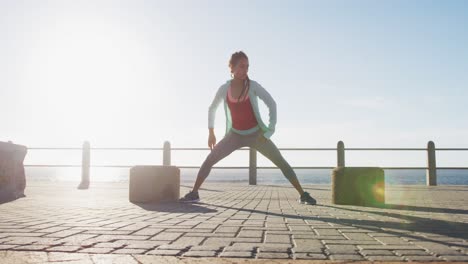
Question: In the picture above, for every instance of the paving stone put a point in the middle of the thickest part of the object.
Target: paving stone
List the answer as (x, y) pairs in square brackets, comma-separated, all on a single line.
[(315, 250), (166, 236), (275, 248), (346, 257), (228, 241), (194, 253), (422, 258), (193, 231), (277, 238), (189, 241), (31, 247), (351, 242), (65, 233), (109, 245), (172, 247), (455, 258), (20, 235), (206, 248), (236, 254), (106, 232), (87, 243), (409, 252), (207, 226), (53, 229), (97, 250), (250, 233), (22, 240), (342, 249), (64, 248), (360, 237), (164, 252), (311, 256), (5, 247), (377, 253), (300, 228), (327, 232), (270, 255), (440, 249), (387, 247), (243, 248), (129, 251), (310, 236), (76, 238), (307, 242), (392, 240), (384, 258), (222, 235), (48, 241)]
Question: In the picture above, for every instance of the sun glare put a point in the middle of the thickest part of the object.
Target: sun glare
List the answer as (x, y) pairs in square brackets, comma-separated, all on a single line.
[(86, 72)]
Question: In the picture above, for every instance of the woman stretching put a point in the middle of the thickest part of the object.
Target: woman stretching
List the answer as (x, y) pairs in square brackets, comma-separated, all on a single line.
[(244, 126)]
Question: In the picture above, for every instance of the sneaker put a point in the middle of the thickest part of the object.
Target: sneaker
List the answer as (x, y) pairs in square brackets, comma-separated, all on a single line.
[(191, 197), (307, 199)]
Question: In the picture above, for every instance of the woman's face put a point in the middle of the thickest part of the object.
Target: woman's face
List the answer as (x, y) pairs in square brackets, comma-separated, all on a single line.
[(240, 69)]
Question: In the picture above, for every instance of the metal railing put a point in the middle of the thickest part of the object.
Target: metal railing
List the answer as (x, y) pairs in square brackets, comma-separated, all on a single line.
[(431, 168)]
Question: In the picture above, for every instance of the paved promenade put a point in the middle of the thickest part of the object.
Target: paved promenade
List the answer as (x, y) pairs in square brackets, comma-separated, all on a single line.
[(58, 223)]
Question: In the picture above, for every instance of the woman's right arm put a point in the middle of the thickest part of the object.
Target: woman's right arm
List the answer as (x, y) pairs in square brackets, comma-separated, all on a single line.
[(211, 117), (211, 139), (212, 109)]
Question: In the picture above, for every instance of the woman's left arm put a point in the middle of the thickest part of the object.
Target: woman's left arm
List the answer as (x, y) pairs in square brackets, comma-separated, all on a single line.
[(271, 104)]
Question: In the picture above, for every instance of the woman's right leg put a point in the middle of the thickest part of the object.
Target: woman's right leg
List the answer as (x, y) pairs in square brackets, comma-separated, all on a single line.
[(226, 146)]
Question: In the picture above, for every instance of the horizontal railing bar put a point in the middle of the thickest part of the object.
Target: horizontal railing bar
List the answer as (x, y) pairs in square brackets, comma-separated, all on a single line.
[(55, 148), (53, 166), (287, 149), (300, 149), (452, 168), (388, 149), (242, 167), (96, 148), (452, 149), (316, 149), (126, 148)]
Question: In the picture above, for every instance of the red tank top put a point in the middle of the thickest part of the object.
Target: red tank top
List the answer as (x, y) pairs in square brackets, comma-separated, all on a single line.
[(242, 114)]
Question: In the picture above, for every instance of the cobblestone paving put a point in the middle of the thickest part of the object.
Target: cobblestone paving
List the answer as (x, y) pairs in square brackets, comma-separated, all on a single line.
[(235, 220)]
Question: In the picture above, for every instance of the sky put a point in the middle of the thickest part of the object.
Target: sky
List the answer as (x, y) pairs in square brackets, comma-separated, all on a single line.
[(138, 73)]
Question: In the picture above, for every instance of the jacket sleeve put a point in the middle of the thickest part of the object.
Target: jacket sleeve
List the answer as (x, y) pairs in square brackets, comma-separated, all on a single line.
[(271, 104), (214, 105)]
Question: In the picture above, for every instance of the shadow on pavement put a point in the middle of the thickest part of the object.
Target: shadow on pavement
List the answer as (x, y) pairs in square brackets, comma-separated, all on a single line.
[(203, 189), (175, 207), (412, 223), (424, 209)]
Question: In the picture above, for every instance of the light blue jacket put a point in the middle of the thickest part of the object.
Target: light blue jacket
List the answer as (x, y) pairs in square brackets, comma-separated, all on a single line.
[(255, 91)]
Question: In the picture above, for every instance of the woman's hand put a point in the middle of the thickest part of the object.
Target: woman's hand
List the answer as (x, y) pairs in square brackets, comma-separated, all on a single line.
[(211, 140)]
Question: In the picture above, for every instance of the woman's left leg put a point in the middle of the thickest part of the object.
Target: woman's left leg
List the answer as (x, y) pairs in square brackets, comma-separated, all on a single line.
[(269, 150)]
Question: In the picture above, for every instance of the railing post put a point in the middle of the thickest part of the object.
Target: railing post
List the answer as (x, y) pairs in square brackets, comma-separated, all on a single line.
[(341, 154), (431, 171), (85, 165), (167, 154), (252, 166)]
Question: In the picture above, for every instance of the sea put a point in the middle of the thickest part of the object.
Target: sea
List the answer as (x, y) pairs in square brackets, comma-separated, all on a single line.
[(264, 176)]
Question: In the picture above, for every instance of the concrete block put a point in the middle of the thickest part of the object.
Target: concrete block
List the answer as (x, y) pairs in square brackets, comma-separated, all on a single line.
[(154, 184), (12, 175), (363, 186)]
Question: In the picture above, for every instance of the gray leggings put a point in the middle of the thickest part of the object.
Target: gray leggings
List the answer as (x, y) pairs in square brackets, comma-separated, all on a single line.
[(233, 141)]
